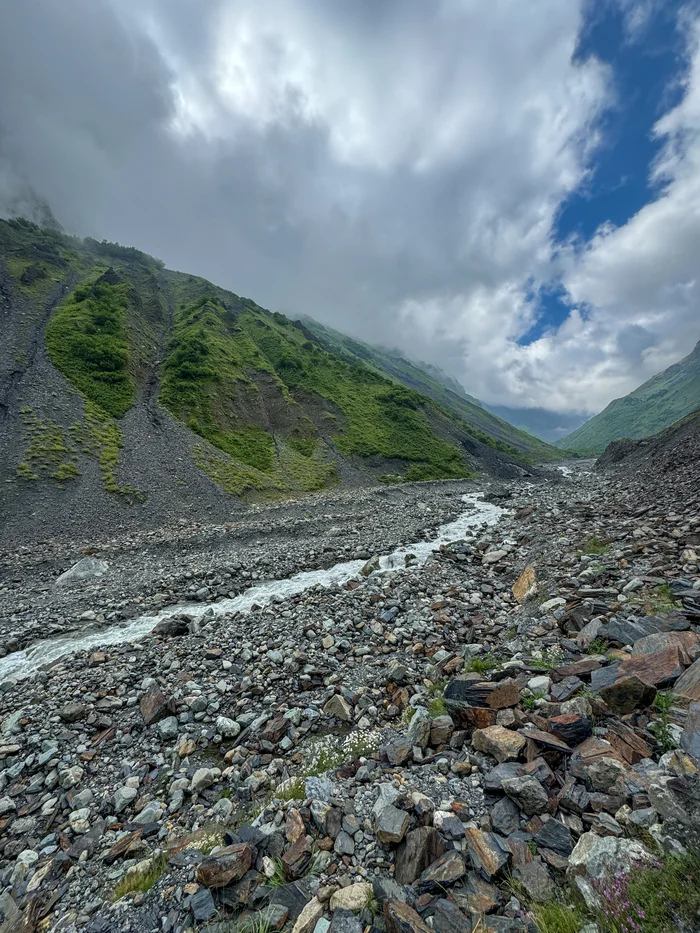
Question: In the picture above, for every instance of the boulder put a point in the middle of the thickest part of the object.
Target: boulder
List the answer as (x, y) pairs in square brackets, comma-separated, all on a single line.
[(528, 794), (229, 864), (86, 570), (420, 848), (501, 743), (627, 694)]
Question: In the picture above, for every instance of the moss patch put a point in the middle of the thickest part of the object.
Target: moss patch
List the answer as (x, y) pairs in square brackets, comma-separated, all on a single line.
[(87, 341), (50, 454), (99, 436), (140, 879)]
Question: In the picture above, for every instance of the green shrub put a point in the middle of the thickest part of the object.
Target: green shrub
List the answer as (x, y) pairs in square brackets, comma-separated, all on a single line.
[(86, 339)]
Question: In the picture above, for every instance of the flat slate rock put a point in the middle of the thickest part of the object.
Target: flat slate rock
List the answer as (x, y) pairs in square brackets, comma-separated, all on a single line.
[(444, 872), (604, 677), (688, 684), (547, 739), (487, 852), (555, 836)]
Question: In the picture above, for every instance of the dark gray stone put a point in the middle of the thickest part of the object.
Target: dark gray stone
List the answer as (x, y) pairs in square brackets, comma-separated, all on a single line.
[(505, 816), (202, 905), (493, 779), (555, 836), (345, 922)]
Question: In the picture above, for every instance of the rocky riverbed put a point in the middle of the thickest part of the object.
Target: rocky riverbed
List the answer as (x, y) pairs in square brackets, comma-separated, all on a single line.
[(457, 740)]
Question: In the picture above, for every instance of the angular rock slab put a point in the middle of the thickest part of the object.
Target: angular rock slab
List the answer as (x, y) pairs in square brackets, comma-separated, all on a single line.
[(628, 694), (688, 684), (487, 852), (443, 873), (400, 918), (420, 848), (229, 864), (501, 743)]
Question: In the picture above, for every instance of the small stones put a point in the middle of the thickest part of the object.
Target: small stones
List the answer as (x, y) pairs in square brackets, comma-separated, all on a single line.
[(164, 744)]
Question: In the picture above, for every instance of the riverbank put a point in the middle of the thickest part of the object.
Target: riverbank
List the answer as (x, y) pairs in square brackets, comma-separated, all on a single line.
[(455, 742)]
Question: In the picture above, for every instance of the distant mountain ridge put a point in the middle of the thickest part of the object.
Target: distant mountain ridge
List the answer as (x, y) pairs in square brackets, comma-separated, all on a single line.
[(431, 381), (653, 406)]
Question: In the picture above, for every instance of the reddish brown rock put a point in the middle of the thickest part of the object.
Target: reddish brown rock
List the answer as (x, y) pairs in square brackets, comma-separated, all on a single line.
[(400, 918), (688, 643), (688, 684), (297, 858), (154, 706), (229, 864), (627, 694), (662, 667)]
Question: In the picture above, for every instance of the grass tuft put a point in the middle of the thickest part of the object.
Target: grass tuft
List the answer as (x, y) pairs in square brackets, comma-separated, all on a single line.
[(557, 918), (140, 879), (483, 664), (594, 546)]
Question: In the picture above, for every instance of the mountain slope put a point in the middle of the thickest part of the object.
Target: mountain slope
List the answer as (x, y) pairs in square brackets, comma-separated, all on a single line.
[(658, 403), (432, 382), (131, 392)]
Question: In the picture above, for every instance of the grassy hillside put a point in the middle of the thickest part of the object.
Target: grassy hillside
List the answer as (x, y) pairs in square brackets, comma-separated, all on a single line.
[(655, 405), (436, 385), (266, 408)]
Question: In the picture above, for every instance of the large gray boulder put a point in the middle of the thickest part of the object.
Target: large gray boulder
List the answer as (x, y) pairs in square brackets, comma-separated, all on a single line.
[(85, 571)]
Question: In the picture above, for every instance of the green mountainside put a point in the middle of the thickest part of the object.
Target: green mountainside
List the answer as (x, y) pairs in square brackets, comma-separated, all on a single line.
[(433, 383), (156, 382), (658, 403)]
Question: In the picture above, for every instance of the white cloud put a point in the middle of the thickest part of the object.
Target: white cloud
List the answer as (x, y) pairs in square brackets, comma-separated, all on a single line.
[(394, 169), (640, 280)]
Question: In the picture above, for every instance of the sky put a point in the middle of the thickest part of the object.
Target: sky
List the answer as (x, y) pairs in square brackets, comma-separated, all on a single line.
[(508, 190)]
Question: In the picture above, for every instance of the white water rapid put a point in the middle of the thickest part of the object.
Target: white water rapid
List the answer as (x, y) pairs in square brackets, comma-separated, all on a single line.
[(24, 663)]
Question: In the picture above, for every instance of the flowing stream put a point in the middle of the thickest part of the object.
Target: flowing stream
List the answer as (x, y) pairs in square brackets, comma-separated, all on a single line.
[(22, 664)]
